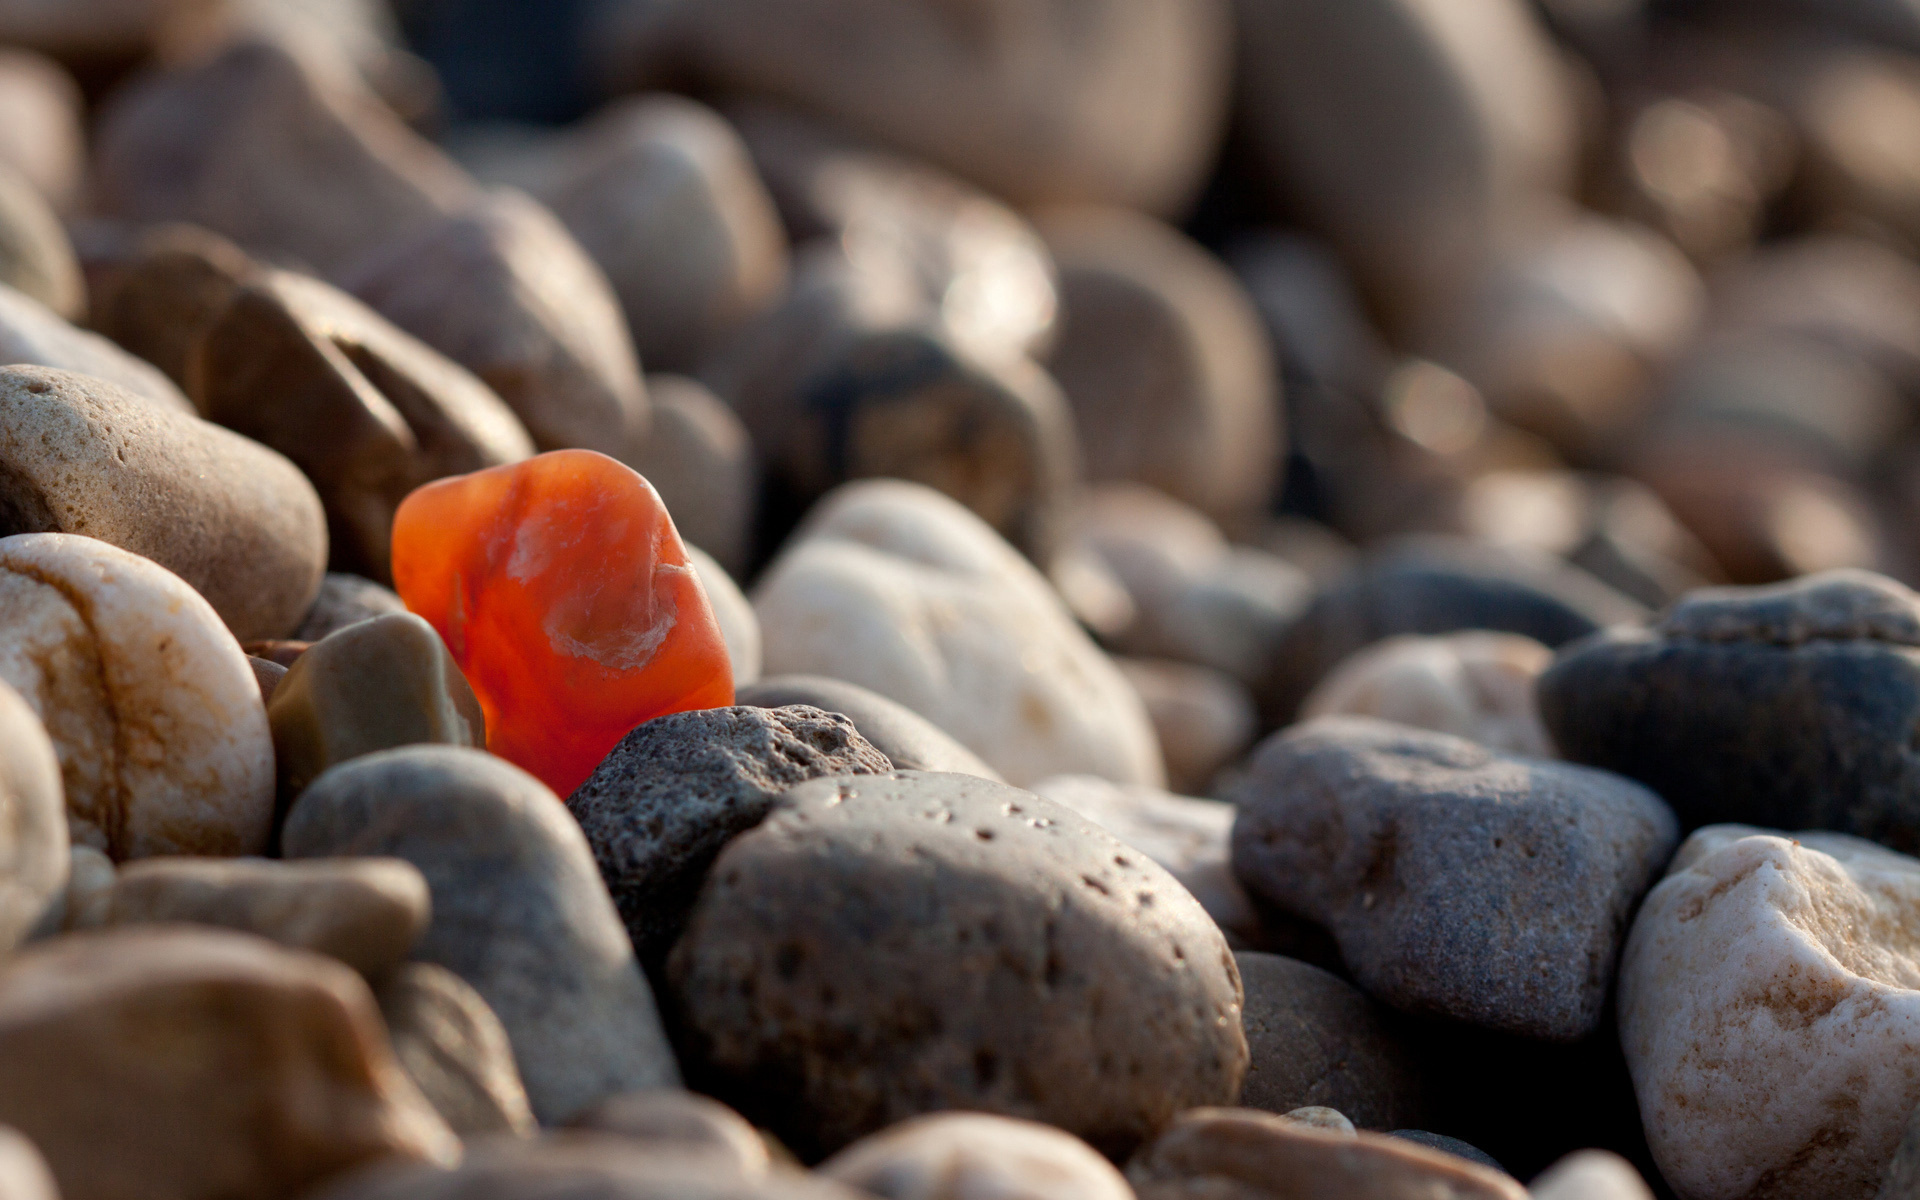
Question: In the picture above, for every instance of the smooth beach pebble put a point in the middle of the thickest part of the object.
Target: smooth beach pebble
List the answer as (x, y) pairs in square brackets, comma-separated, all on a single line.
[(156, 715), (32, 333), (567, 598), (975, 1156), (670, 1119), (454, 1049), (33, 821), (1474, 685)]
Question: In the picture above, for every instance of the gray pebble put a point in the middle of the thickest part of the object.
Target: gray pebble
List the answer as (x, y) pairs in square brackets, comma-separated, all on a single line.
[(909, 739), (454, 1049)]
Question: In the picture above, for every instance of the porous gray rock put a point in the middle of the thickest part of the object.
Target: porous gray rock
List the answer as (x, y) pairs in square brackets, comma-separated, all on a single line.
[(890, 945), (1457, 881), (908, 739), (661, 805), (518, 911)]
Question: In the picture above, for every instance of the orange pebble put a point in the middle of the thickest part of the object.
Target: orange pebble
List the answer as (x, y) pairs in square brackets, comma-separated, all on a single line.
[(565, 594)]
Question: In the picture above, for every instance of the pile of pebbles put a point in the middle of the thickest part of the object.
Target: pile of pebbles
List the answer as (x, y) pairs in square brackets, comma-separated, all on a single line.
[(1318, 593)]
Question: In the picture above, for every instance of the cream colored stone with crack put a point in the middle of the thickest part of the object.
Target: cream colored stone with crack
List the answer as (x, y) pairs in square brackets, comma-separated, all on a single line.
[(150, 703), (1770, 1013)]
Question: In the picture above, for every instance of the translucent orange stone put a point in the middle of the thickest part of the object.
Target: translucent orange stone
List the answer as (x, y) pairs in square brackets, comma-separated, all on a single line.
[(565, 594)]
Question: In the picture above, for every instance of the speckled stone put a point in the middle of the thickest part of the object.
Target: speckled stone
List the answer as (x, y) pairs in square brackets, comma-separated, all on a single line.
[(674, 791), (1457, 881), (886, 946)]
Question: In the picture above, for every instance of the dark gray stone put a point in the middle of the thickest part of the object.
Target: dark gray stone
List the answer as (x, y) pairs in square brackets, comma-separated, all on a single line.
[(1315, 1040), (909, 739), (1437, 585), (1791, 706), (888, 946), (1448, 1145), (678, 788), (1457, 881), (518, 911)]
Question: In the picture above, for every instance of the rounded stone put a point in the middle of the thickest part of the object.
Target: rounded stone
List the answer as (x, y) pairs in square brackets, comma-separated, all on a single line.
[(683, 1122), (975, 1156), (887, 946), (345, 600), (454, 1049), (908, 739), (33, 334), (731, 608), (899, 589), (367, 913), (232, 518), (1458, 882), (179, 1063), (149, 701), (45, 140), (1591, 1175), (1767, 1004), (1165, 361), (1791, 705), (1474, 685), (36, 259), (24, 1174), (674, 791), (1205, 719), (698, 456), (1315, 1040), (33, 821), (1448, 1145), (503, 289), (518, 911)]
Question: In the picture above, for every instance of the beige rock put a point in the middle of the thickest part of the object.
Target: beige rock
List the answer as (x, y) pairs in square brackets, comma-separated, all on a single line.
[(731, 609), (899, 589), (1319, 1116), (33, 334), (1767, 986), (1590, 1175), (35, 256), (275, 144), (365, 912), (33, 821), (368, 412), (1187, 836), (42, 138), (974, 1156), (235, 520), (1205, 718), (683, 1122), (1239, 1154), (177, 1063), (1166, 363), (661, 193), (1474, 685), (1115, 102), (454, 1049), (698, 456), (503, 290), (24, 1174), (149, 701)]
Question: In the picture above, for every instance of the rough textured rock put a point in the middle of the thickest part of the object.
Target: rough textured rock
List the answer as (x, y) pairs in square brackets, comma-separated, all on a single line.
[(898, 589), (1591, 1175), (274, 143), (1474, 685), (1768, 987), (381, 683), (162, 739), (1205, 719), (235, 1068), (887, 946), (972, 1156), (584, 1165), (1431, 586), (33, 821), (682, 1122), (31, 333), (678, 788), (661, 193), (454, 1049), (1187, 836), (503, 290), (1239, 1154), (234, 519), (368, 412), (908, 739), (1114, 102), (518, 911), (1457, 881), (1316, 1040), (35, 257), (851, 378), (698, 456), (343, 601), (367, 913), (1166, 363), (734, 612), (1789, 705)]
